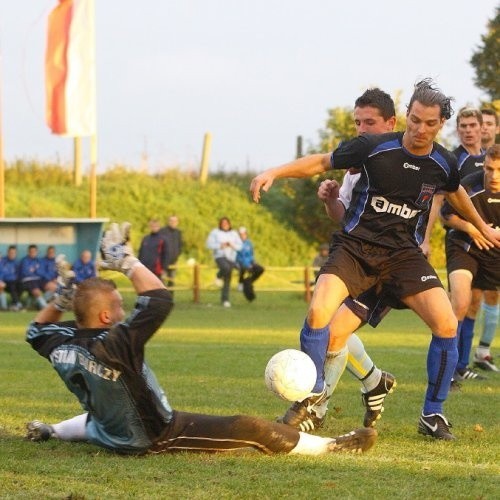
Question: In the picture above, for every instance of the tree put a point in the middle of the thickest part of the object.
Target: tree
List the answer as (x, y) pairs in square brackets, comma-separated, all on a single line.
[(485, 59)]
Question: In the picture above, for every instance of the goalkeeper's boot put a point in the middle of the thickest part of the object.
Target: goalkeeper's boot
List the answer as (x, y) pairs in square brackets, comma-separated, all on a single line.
[(435, 425), (38, 431), (373, 400), (356, 441), (302, 414)]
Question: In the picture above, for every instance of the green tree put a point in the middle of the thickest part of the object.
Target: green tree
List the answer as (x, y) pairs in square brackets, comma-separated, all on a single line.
[(485, 59)]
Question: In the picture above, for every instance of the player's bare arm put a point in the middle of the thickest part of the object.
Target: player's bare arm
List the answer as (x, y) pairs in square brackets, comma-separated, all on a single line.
[(308, 166), (437, 202), (328, 193), (461, 202)]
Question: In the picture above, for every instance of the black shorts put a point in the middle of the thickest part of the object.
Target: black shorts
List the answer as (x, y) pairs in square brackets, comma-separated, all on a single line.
[(394, 273), (484, 267)]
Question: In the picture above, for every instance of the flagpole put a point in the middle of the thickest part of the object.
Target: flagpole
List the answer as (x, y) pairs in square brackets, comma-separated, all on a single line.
[(2, 163), (93, 176)]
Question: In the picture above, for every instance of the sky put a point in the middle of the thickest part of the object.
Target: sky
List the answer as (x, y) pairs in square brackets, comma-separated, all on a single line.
[(255, 74)]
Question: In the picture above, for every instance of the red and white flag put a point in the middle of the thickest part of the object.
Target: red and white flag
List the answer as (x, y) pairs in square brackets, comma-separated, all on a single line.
[(70, 69)]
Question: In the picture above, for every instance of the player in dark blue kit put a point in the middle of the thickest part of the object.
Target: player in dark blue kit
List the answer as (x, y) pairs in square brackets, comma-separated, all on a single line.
[(469, 261), (378, 245), (470, 155), (100, 358)]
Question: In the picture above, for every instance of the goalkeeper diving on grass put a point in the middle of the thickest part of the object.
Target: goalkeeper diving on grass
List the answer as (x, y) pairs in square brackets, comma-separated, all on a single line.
[(100, 357)]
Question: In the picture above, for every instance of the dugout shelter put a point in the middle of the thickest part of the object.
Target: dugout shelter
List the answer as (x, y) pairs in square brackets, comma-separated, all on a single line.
[(69, 236)]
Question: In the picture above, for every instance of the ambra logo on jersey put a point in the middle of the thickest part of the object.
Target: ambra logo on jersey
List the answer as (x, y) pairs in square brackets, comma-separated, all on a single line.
[(381, 205)]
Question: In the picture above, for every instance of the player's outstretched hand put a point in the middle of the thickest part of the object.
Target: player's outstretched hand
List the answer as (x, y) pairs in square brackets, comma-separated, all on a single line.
[(116, 253), (66, 286), (263, 181)]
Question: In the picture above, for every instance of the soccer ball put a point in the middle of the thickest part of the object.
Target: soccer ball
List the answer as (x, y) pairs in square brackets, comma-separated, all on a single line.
[(290, 374)]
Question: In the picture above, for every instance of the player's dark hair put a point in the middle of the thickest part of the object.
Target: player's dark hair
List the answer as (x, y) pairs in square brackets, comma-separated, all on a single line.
[(468, 112), (377, 98), (12, 247), (88, 296), (493, 152), (490, 112), (428, 94)]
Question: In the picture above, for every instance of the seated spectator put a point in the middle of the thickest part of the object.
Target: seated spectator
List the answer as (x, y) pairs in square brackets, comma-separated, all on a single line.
[(84, 267), (3, 295), (249, 269), (9, 280), (48, 272), (31, 280)]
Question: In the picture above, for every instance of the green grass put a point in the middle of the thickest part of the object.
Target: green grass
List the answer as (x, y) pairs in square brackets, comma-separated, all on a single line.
[(210, 359)]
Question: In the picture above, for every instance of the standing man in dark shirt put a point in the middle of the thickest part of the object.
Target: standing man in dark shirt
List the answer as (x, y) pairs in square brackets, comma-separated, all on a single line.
[(378, 245), (173, 239), (100, 358), (153, 250)]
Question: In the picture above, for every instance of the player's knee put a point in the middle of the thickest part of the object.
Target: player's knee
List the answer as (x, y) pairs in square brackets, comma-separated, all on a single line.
[(319, 316), (447, 328)]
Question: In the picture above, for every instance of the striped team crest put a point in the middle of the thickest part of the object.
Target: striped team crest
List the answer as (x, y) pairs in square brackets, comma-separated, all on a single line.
[(425, 196)]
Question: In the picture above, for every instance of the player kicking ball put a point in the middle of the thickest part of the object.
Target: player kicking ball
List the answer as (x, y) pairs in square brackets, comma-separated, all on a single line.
[(100, 357), (377, 246)]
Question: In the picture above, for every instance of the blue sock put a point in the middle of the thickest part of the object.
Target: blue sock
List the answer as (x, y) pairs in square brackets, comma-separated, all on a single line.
[(441, 360), (314, 342), (465, 342), (490, 322)]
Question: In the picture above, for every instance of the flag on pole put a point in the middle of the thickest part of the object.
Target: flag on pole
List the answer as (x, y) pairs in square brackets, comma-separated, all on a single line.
[(70, 69)]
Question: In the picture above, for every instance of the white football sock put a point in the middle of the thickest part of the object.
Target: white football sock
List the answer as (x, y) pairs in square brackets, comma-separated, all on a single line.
[(310, 445), (72, 429)]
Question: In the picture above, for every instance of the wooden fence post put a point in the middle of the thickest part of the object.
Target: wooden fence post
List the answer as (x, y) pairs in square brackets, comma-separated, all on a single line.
[(196, 283), (307, 284)]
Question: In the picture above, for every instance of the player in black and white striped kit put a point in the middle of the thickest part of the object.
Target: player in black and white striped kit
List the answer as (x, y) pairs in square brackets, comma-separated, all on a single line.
[(100, 358), (378, 245)]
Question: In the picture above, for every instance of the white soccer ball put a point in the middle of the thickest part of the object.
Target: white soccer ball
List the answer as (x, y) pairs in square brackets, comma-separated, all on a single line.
[(290, 374)]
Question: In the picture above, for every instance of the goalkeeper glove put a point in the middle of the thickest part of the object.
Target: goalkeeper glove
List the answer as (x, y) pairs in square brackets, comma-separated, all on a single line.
[(116, 253), (66, 286)]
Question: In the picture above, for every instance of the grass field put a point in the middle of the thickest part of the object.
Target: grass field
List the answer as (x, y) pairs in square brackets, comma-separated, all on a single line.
[(211, 359)]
